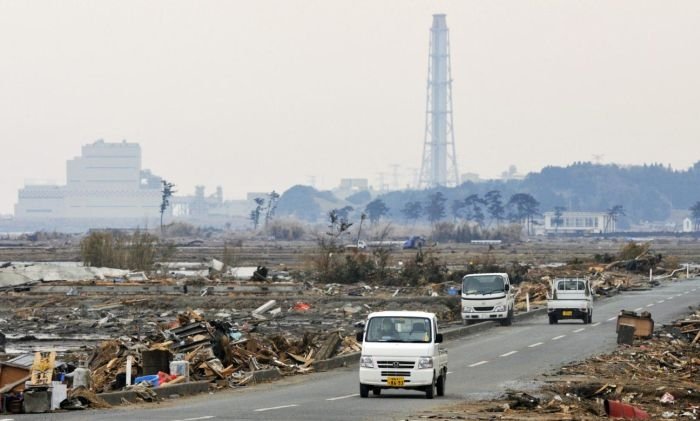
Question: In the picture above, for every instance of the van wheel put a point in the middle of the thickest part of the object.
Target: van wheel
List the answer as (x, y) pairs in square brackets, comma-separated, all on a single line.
[(430, 390), (376, 391), (508, 320), (590, 317), (552, 320), (364, 390), (442, 380)]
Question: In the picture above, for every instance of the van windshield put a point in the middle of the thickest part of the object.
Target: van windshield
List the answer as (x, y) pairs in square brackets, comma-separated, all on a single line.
[(399, 329), (571, 285), (483, 284)]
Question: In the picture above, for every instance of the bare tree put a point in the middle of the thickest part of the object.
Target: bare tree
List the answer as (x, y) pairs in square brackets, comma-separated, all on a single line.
[(695, 215), (558, 220), (273, 197), (167, 193), (255, 213), (613, 214)]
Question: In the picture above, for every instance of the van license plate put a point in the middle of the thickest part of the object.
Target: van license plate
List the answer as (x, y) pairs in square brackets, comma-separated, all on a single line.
[(394, 381), (567, 313)]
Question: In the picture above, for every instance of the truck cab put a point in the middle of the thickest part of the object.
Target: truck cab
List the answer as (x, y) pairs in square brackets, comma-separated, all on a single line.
[(571, 298), (487, 296), (402, 350)]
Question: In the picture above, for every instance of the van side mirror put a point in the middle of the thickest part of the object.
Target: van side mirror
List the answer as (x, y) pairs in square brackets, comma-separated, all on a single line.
[(507, 287), (359, 335), (438, 338)]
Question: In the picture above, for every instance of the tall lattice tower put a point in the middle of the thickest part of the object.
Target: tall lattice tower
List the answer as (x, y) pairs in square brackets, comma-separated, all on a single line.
[(439, 167)]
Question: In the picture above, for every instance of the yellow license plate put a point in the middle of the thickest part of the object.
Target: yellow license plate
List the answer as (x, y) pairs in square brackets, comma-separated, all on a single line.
[(567, 313), (394, 381)]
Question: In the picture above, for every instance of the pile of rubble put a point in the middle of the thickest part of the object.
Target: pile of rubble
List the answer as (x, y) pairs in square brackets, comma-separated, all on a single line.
[(222, 352), (657, 378)]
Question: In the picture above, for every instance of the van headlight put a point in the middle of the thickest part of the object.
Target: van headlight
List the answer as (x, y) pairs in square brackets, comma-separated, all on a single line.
[(467, 309), (499, 309), (366, 361), (425, 362)]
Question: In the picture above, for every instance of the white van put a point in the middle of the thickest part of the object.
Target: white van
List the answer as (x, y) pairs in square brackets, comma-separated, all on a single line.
[(401, 350)]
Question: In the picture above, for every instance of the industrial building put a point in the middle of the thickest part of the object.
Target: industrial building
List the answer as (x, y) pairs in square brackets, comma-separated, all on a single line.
[(578, 222), (105, 181)]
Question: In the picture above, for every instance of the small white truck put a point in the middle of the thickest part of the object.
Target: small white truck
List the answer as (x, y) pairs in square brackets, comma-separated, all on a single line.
[(487, 296), (402, 350), (571, 298)]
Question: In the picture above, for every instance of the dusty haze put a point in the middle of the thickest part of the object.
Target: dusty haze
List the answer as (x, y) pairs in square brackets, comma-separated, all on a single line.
[(261, 95)]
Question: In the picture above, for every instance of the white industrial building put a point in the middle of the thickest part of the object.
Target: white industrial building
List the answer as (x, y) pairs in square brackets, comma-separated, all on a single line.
[(579, 222), (105, 181)]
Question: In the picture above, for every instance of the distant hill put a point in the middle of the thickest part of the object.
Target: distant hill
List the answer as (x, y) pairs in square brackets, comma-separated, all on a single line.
[(307, 204), (647, 192)]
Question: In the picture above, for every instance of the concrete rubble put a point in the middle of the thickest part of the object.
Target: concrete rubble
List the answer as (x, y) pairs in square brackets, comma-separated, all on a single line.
[(19, 274)]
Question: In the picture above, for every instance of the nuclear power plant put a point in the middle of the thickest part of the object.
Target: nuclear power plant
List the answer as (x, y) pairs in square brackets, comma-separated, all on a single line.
[(439, 166), (105, 182)]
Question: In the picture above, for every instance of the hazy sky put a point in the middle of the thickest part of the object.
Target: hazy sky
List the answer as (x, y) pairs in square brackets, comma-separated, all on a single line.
[(260, 95)]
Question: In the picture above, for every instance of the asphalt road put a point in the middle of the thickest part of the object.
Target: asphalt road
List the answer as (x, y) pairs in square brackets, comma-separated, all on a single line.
[(480, 365)]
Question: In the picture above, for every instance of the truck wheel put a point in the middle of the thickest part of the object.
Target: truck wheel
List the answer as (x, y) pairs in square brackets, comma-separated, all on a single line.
[(442, 380), (376, 391), (430, 390), (508, 320), (364, 390), (552, 320)]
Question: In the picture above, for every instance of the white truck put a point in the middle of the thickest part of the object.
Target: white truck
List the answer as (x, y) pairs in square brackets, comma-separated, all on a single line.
[(487, 296), (571, 298), (401, 350)]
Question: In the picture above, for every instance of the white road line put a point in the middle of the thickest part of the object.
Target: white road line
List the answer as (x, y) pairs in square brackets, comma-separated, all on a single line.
[(556, 338), (638, 309), (650, 305), (476, 364), (534, 345), (669, 298), (660, 301), (207, 417), (7, 419), (579, 330), (509, 353), (685, 292), (595, 324), (678, 295), (274, 407), (449, 372), (346, 396), (612, 318)]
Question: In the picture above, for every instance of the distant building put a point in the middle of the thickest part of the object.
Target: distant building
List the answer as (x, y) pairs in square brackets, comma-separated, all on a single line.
[(105, 181), (470, 176), (579, 222), (350, 186), (354, 184)]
